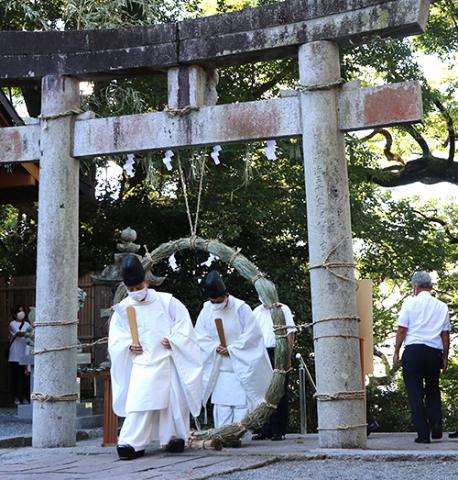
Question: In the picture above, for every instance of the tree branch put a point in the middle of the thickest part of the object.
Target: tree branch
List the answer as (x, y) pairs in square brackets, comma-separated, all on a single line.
[(453, 12), (259, 90), (427, 168), (390, 156), (427, 171), (416, 135), (450, 128), (443, 223)]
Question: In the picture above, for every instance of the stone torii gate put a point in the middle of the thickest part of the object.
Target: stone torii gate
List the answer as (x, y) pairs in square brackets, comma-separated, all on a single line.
[(320, 111)]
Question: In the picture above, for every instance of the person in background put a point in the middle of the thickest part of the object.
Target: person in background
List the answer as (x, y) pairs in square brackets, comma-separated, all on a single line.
[(275, 428), (19, 374), (424, 328)]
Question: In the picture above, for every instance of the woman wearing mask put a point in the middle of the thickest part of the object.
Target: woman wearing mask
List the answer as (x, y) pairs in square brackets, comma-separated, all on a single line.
[(19, 374)]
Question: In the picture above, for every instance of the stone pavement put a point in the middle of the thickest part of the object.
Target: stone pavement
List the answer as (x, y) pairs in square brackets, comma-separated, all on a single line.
[(15, 432), (260, 459), (11, 429)]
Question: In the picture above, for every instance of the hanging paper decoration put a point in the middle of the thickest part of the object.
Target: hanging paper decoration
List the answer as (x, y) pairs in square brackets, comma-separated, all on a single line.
[(167, 160), (173, 262), (129, 165), (271, 146), (211, 258), (215, 154)]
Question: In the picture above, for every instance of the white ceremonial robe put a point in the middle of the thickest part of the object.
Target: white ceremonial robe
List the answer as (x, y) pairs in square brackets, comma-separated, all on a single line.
[(238, 383), (157, 389)]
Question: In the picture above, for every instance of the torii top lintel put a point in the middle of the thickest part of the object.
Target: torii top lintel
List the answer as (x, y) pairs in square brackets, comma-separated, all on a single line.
[(264, 33)]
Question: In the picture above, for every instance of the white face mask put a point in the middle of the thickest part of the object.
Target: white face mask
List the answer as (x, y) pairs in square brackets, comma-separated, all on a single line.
[(20, 316), (219, 306), (139, 295)]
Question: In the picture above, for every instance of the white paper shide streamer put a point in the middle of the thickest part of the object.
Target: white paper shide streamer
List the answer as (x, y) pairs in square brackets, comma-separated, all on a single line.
[(211, 258), (128, 167), (173, 263), (215, 154), (270, 149), (167, 160)]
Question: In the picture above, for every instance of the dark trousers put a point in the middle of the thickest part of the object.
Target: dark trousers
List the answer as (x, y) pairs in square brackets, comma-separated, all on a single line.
[(278, 421), (421, 367), (19, 381)]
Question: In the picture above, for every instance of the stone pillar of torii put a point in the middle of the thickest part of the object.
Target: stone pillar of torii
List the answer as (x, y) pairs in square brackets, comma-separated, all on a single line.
[(320, 111)]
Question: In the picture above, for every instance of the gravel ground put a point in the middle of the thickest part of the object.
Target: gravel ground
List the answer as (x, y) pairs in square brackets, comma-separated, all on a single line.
[(10, 426), (350, 470)]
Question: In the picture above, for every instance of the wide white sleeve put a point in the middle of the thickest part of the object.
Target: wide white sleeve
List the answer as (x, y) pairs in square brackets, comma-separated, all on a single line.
[(251, 331), (249, 357), (186, 355), (404, 314), (210, 359), (119, 341), (207, 342)]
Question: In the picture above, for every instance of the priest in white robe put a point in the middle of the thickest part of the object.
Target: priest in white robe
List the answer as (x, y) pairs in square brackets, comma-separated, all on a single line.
[(156, 382), (236, 375)]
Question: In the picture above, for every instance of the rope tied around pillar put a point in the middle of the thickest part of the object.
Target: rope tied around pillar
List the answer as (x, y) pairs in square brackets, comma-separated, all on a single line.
[(70, 347), (55, 323), (330, 266), (180, 112), (66, 113), (320, 86), (331, 397), (43, 397), (302, 326), (336, 336), (331, 319), (343, 427)]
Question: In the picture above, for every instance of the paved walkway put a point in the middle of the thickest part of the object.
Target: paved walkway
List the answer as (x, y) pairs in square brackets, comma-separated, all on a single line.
[(387, 456), (11, 427)]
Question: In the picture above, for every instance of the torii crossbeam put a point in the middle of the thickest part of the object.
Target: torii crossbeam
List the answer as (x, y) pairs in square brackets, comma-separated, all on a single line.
[(320, 111)]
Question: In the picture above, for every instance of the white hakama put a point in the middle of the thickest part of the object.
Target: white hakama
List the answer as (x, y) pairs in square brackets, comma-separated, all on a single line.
[(157, 389)]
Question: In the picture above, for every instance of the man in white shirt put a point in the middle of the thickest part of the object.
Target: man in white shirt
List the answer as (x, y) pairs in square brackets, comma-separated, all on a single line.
[(237, 374), (275, 428), (424, 328)]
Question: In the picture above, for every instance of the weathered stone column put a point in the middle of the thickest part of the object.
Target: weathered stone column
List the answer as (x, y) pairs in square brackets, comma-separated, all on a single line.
[(191, 86), (341, 409), (57, 268)]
